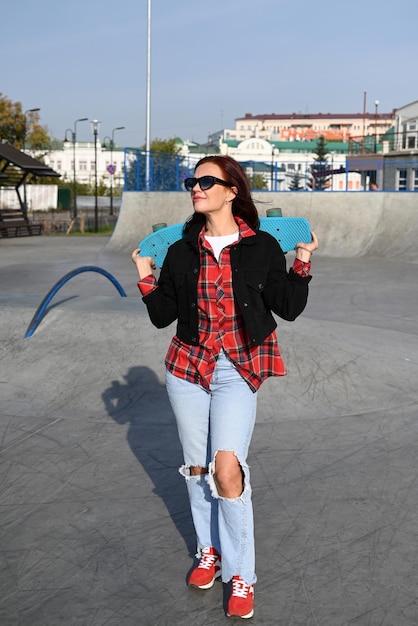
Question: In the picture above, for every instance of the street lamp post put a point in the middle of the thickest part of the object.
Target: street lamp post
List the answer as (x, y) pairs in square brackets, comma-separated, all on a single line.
[(73, 140), (111, 170), (376, 105), (23, 150), (25, 126), (273, 174), (148, 103), (95, 124)]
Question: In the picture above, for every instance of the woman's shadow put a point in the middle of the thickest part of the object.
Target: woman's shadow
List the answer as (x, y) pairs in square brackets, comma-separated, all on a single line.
[(141, 401)]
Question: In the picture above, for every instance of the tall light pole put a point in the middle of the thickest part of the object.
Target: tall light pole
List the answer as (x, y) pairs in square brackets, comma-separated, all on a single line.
[(148, 103), (376, 105), (364, 121), (74, 139), (273, 169), (95, 124), (111, 169), (23, 150), (25, 126)]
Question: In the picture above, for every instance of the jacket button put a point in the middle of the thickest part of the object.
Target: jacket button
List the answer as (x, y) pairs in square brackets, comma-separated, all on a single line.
[(195, 270), (261, 286), (245, 304), (193, 305), (194, 339)]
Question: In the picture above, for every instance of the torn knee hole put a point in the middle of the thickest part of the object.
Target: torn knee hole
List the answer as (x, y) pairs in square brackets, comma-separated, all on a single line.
[(228, 474), (189, 471), (196, 470)]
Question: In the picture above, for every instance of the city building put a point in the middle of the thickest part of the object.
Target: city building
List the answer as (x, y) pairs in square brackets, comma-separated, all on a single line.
[(286, 143), (364, 151), (309, 126), (394, 167), (62, 161)]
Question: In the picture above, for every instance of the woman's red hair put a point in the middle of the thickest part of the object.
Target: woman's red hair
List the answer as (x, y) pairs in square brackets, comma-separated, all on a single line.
[(243, 205)]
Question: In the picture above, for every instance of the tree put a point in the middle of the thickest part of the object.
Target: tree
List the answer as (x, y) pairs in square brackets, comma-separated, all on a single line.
[(167, 146), (17, 128), (295, 182), (257, 181), (320, 176), (164, 164)]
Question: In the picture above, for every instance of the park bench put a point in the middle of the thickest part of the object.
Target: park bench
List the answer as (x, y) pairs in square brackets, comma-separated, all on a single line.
[(14, 224)]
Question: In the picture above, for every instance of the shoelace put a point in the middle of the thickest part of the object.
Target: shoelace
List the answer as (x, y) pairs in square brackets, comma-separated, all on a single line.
[(207, 560), (240, 588)]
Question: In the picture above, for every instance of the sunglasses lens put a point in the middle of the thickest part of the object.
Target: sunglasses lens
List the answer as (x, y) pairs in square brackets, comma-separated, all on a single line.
[(189, 183), (206, 182)]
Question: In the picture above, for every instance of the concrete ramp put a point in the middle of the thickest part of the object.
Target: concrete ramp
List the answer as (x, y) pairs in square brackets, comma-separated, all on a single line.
[(95, 523), (140, 210), (347, 224)]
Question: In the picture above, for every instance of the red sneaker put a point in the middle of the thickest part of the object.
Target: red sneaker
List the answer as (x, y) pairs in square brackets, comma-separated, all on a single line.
[(241, 602), (209, 567)]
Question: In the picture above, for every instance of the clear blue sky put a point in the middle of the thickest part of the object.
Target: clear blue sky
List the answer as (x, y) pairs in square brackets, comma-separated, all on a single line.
[(211, 61)]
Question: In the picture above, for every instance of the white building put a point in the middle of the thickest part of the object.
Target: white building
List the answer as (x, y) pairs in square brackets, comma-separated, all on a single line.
[(284, 160), (395, 168), (407, 127), (280, 147), (62, 161)]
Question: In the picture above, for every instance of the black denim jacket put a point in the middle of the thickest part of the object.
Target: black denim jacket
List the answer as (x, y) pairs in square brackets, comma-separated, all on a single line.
[(261, 285)]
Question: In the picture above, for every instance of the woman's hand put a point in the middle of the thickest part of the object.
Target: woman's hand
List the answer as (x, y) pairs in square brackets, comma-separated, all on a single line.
[(144, 264), (304, 250)]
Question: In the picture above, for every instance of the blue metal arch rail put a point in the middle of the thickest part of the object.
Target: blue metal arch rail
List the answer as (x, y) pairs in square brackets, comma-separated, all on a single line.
[(41, 310)]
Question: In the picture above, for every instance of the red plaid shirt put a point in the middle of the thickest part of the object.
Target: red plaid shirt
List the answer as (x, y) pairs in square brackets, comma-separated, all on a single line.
[(221, 325)]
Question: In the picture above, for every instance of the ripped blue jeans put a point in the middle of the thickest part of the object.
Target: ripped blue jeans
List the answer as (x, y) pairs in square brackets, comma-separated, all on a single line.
[(207, 422)]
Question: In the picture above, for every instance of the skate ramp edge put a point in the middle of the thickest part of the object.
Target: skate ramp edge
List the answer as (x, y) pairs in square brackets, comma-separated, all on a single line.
[(347, 224)]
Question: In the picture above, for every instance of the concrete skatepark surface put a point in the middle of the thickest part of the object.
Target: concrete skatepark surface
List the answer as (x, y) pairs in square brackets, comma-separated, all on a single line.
[(95, 523)]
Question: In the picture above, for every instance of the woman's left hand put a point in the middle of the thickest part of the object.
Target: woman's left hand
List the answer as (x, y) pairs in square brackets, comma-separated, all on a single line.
[(144, 264)]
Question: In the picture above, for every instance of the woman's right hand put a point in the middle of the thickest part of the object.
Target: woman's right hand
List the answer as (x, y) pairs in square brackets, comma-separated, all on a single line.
[(304, 250), (144, 264)]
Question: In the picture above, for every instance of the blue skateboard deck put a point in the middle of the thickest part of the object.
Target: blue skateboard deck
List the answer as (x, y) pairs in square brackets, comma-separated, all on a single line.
[(287, 230)]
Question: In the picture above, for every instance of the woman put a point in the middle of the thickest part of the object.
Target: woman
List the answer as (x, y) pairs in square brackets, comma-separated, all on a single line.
[(221, 283)]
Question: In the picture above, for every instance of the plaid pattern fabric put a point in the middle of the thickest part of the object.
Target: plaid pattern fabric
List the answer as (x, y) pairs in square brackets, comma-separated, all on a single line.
[(221, 325)]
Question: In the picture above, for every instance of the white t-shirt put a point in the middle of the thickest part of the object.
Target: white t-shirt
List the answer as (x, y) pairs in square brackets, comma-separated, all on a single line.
[(219, 243)]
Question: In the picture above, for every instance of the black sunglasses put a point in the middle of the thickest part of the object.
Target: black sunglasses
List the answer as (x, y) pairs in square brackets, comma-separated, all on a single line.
[(205, 182)]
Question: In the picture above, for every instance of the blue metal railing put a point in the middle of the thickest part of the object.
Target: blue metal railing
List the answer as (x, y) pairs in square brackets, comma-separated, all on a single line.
[(168, 171), (42, 308)]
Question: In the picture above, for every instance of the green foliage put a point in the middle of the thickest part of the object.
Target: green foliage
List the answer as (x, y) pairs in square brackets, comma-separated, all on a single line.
[(257, 181), (19, 129), (164, 166), (167, 146), (11, 121), (321, 149), (295, 183), (102, 230), (320, 177)]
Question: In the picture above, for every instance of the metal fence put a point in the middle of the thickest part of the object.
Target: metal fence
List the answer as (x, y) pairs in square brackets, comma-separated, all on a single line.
[(158, 171), (391, 141)]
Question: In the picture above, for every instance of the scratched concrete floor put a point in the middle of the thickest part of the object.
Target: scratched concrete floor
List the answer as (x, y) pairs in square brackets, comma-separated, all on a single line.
[(94, 521)]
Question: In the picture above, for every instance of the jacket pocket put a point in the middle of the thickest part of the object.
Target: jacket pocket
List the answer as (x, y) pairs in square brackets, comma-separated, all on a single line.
[(256, 279), (253, 302)]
